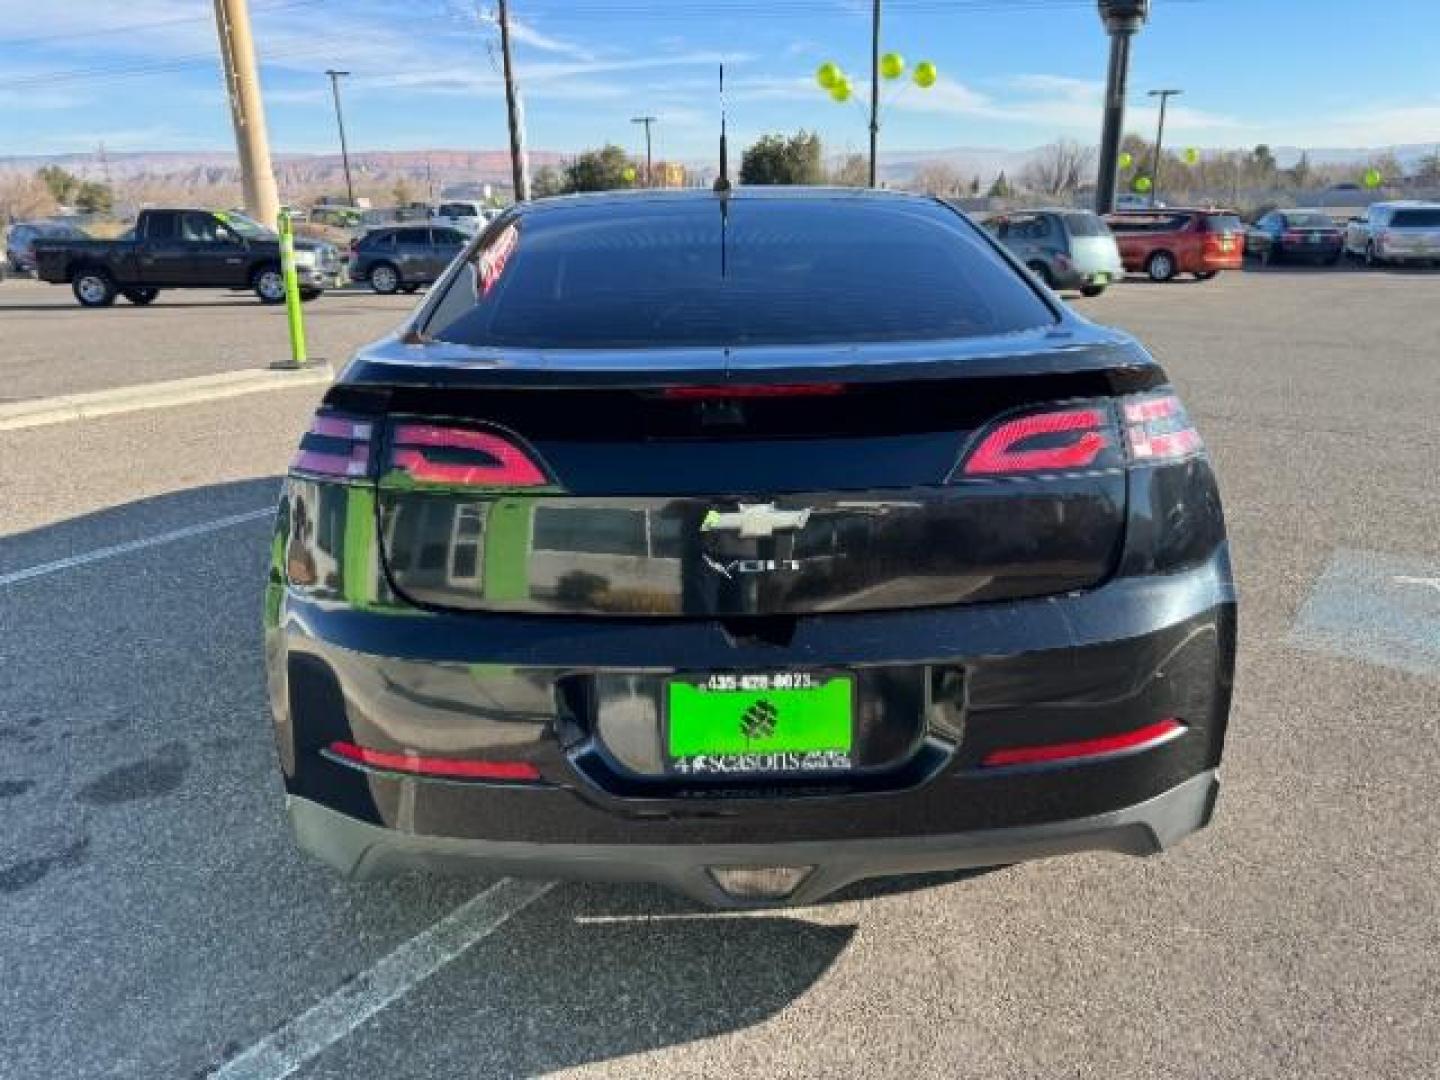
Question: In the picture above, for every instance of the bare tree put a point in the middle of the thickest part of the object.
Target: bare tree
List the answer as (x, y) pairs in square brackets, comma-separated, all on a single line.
[(23, 197), (852, 171), (1059, 168), (938, 178)]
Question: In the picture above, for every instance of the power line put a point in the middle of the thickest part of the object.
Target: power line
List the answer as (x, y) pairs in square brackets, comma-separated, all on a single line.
[(150, 24)]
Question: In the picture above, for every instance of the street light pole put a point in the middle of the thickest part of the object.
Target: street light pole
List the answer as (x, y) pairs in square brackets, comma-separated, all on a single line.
[(874, 86), (340, 121), (1164, 96), (1123, 20), (649, 170)]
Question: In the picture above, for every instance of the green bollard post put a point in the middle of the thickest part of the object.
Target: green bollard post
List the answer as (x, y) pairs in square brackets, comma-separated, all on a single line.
[(298, 358)]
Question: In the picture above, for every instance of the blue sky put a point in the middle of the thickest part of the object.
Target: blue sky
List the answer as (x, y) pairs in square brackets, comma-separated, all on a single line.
[(143, 74)]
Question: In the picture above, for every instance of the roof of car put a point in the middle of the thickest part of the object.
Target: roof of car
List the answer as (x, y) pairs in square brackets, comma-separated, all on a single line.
[(1175, 210), (739, 193)]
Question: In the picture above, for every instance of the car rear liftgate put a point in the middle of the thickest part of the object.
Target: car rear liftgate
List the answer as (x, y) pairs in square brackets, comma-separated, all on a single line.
[(735, 501)]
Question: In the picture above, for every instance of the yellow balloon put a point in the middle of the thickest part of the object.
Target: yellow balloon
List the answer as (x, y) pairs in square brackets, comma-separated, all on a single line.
[(828, 74), (628, 174), (1373, 179), (892, 65), (925, 74), (1192, 156), (1126, 159), (1143, 184), (841, 90)]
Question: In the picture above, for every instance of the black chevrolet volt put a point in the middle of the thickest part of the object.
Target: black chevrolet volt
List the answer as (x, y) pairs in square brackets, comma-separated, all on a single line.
[(753, 543)]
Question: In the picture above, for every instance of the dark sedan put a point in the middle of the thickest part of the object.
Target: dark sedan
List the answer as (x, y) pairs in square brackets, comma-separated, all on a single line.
[(1295, 235), (752, 543), (404, 258)]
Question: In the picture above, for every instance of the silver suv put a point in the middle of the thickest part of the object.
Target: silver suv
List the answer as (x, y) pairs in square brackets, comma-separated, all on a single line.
[(1396, 232), (1066, 249)]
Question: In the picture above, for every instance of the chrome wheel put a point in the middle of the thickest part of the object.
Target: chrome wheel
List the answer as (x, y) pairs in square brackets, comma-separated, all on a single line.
[(384, 279), (92, 288), (270, 286)]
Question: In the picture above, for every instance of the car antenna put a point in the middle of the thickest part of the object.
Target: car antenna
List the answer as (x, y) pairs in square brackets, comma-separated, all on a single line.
[(722, 182)]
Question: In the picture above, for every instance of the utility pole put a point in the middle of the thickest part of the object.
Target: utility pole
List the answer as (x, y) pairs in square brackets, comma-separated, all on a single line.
[(335, 77), (519, 163), (874, 86), (247, 111), (1164, 96), (1123, 20), (649, 168)]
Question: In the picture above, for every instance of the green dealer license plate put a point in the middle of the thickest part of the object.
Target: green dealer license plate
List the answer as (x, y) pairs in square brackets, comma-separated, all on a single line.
[(748, 724)]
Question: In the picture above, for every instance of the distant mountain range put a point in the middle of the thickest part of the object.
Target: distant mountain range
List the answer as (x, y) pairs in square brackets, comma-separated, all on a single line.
[(450, 167)]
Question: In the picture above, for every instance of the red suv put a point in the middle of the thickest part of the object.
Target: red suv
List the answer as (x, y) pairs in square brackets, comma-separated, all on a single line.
[(1164, 243)]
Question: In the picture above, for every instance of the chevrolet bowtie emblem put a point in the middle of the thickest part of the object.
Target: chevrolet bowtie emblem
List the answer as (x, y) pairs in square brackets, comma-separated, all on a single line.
[(755, 520)]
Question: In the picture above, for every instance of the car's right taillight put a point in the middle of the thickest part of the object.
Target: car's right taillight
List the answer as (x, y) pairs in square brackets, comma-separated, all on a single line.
[(1158, 429)]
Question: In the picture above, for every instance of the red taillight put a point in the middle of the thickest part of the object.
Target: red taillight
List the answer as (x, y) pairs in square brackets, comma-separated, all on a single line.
[(452, 768), (464, 457), (1145, 738), (1157, 428), (1043, 442), (775, 390), (335, 446)]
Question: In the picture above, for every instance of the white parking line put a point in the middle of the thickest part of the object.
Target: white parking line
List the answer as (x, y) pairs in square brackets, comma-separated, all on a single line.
[(282, 1052), (100, 554)]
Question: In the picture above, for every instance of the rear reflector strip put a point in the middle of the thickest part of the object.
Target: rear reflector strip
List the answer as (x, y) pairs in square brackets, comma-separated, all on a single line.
[(463, 457), (1145, 738), (450, 768), (1072, 439)]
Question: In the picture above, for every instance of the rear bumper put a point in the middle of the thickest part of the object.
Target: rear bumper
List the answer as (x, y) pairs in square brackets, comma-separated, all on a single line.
[(361, 850)]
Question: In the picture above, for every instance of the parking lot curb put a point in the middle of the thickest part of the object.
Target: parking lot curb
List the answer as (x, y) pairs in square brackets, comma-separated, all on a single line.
[(158, 395)]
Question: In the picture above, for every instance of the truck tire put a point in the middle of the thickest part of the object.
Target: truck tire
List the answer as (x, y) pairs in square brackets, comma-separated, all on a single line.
[(93, 287), (1161, 267), (141, 296), (385, 279), (306, 295), (269, 284), (1092, 291)]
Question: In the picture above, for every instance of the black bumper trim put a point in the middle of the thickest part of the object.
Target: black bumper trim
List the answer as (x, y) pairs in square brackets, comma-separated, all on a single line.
[(364, 851)]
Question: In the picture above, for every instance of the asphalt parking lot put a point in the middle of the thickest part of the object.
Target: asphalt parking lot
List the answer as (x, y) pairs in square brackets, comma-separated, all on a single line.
[(50, 345), (158, 923)]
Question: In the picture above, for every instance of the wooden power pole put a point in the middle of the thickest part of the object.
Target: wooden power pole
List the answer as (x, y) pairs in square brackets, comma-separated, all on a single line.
[(247, 110), (519, 163)]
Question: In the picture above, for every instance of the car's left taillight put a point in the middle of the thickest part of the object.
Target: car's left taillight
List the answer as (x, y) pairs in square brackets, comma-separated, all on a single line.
[(335, 446)]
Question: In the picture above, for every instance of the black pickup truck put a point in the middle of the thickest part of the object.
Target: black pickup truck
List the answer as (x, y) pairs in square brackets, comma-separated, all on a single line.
[(183, 249)]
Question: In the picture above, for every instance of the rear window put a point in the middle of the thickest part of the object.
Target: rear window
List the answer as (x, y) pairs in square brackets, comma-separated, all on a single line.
[(1223, 223), (1149, 223), (1086, 225), (676, 273), (1416, 219), (1309, 221), (457, 210)]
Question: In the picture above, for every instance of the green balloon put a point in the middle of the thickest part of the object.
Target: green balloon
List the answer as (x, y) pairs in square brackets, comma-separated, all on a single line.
[(925, 74), (1192, 156), (841, 90), (892, 65), (828, 74), (1373, 179), (1143, 184), (1126, 159)]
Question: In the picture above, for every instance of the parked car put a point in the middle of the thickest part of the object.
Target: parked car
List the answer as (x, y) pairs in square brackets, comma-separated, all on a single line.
[(1128, 201), (183, 249), (1309, 235), (750, 575), (20, 241), (1066, 249), (1167, 243), (1396, 232), (467, 214), (340, 217), (405, 258)]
